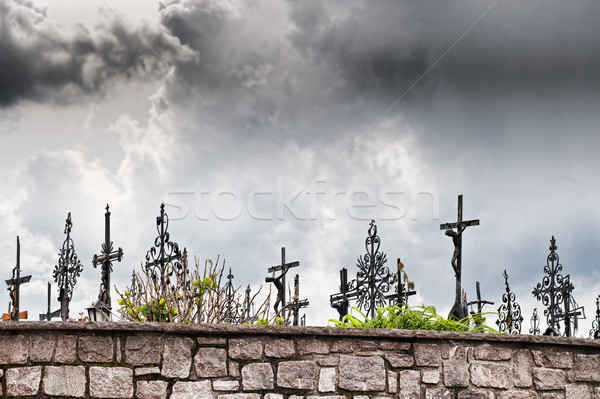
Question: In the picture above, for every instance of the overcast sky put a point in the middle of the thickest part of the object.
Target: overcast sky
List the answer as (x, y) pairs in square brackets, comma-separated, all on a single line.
[(269, 124)]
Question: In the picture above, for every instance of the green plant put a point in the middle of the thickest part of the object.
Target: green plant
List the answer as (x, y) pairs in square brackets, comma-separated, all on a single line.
[(413, 318)]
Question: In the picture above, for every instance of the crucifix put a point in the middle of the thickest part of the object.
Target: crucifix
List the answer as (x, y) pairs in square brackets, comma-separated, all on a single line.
[(66, 272), (341, 301), (169, 257), (457, 311), (14, 285), (479, 302), (49, 315), (297, 304), (106, 257), (279, 281)]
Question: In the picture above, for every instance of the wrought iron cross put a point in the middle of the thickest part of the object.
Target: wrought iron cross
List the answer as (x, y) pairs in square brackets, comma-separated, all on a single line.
[(230, 312), (14, 285), (247, 305), (572, 312), (106, 257), (341, 301), (457, 310), (535, 323), (296, 303), (509, 313), (595, 331), (66, 272), (279, 281), (403, 290), (49, 315), (164, 257), (479, 302)]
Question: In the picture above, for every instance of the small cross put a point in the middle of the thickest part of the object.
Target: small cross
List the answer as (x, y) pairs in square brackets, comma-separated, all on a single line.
[(279, 281), (106, 257), (297, 304), (168, 252), (401, 291), (14, 285), (460, 226), (479, 302), (341, 301)]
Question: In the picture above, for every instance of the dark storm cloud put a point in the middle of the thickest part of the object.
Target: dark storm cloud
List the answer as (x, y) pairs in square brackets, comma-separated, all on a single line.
[(39, 60)]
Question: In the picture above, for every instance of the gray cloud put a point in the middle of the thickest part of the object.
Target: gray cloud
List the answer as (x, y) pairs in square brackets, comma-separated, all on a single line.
[(42, 61)]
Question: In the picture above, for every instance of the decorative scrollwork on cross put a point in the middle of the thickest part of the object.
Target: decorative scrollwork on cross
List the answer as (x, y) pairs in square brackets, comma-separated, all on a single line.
[(164, 258), (510, 317), (595, 331), (535, 323), (66, 272), (231, 311), (373, 278)]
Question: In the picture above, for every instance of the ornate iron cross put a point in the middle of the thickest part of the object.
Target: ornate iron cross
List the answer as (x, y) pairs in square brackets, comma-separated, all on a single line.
[(296, 303), (279, 282), (595, 331), (164, 258), (231, 312), (572, 312), (66, 272), (479, 302), (509, 318), (49, 315), (457, 310), (535, 323), (341, 301), (14, 285), (402, 290), (247, 310), (106, 257)]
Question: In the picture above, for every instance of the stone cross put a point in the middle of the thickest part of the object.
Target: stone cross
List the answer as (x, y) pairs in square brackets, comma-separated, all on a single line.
[(279, 281), (457, 311), (106, 257), (14, 285)]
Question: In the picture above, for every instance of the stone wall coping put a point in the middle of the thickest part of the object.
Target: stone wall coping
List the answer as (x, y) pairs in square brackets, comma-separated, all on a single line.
[(230, 330)]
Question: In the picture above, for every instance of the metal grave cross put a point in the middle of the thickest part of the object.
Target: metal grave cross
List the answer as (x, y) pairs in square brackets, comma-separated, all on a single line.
[(106, 257), (535, 323), (572, 312), (66, 272), (595, 331), (169, 258), (341, 301), (509, 313), (403, 289), (479, 302), (279, 281), (457, 310), (14, 285), (296, 303), (49, 315), (231, 312)]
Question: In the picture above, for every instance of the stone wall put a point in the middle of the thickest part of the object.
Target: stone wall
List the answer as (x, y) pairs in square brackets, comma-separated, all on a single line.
[(152, 361)]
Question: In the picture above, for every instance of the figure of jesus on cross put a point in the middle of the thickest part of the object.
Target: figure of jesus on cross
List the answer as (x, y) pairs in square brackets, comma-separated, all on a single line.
[(457, 311)]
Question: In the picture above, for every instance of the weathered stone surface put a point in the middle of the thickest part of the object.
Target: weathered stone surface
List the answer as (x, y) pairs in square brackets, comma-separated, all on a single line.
[(522, 368), (596, 394), (358, 373), (400, 360), (327, 397), (96, 349), (280, 348), (556, 360), (327, 379), (41, 348), (193, 390), (211, 362), (492, 353), (548, 379), (586, 368), (438, 393), (514, 394), (394, 346), (297, 375), (491, 375), (410, 384), (431, 376), (23, 381), (64, 381), (313, 346), (226, 385), (13, 349), (111, 382), (118, 351), (575, 391), (245, 349), (327, 361), (456, 369), (66, 349), (427, 355), (142, 349), (367, 346), (549, 395), (151, 390), (472, 395), (241, 396), (212, 341), (344, 346), (177, 357), (257, 376), (273, 396), (392, 381), (146, 371), (233, 368)]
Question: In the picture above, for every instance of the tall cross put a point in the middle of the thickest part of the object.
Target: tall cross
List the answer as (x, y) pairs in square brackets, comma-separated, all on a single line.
[(279, 281), (341, 301), (457, 310), (479, 302), (106, 257), (49, 315), (296, 303), (14, 285)]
